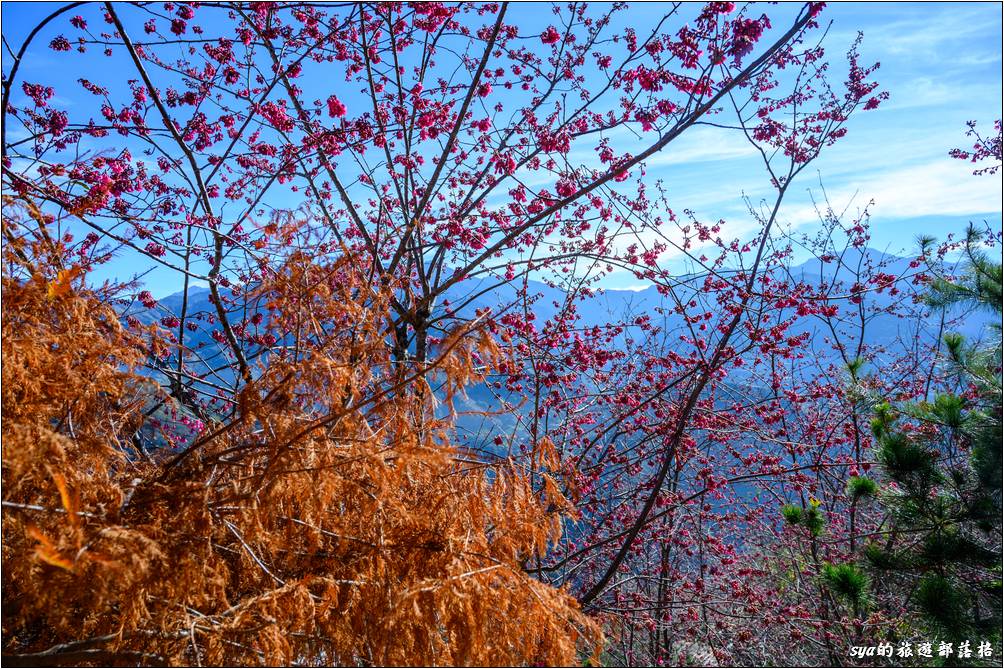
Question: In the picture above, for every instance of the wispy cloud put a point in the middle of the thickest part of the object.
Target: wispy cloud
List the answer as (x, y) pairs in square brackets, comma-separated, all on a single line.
[(924, 32), (703, 145), (937, 188)]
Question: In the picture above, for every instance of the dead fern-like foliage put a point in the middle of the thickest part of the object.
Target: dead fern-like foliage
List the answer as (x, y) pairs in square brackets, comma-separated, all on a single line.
[(327, 520)]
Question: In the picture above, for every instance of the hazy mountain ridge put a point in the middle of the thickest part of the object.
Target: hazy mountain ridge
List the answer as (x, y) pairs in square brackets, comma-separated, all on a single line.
[(613, 305)]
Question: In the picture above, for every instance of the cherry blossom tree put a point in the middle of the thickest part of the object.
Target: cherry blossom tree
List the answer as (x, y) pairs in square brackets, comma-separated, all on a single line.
[(450, 144), (451, 150)]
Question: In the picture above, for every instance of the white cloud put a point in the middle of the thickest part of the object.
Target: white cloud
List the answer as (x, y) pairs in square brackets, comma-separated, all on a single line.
[(942, 187), (934, 189), (703, 144), (933, 28)]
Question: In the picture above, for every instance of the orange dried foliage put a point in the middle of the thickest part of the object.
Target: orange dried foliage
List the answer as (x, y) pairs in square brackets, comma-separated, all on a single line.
[(326, 522)]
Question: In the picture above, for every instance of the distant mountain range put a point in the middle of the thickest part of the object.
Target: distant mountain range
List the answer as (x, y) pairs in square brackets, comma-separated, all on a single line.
[(605, 306), (610, 305)]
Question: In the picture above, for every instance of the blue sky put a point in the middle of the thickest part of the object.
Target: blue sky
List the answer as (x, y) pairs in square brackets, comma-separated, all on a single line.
[(940, 63)]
